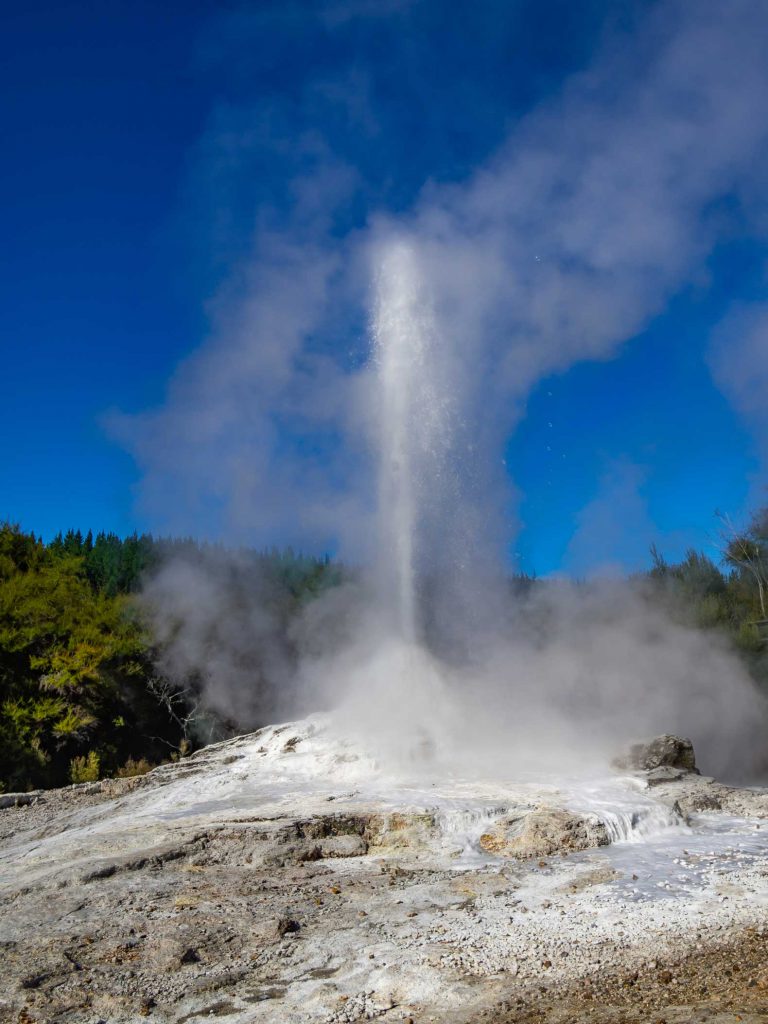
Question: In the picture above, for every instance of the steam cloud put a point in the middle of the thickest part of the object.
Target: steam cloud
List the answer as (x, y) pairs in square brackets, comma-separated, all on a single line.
[(600, 205)]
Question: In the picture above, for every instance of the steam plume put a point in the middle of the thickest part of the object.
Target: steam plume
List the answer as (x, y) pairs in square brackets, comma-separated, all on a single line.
[(599, 206)]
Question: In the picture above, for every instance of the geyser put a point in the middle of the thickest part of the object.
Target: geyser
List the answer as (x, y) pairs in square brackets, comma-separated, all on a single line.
[(567, 676), (412, 432), (398, 690), (432, 653)]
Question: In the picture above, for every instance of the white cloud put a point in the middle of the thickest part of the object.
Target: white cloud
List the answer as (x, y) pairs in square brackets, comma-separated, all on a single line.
[(739, 363)]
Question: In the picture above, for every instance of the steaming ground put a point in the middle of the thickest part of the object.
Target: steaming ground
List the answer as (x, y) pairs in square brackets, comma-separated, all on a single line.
[(293, 875)]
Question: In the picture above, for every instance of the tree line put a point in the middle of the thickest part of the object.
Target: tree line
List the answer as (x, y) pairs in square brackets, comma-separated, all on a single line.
[(80, 693), (729, 595), (82, 690)]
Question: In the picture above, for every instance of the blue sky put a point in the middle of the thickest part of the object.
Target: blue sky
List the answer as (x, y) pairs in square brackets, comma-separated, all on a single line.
[(655, 408), (163, 162)]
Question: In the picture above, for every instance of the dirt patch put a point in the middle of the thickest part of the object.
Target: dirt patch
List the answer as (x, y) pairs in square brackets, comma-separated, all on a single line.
[(718, 984)]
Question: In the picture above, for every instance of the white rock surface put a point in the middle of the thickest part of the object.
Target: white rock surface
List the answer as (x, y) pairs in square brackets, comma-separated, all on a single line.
[(288, 876)]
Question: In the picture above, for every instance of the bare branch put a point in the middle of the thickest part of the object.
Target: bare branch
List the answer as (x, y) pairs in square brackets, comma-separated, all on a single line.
[(740, 549), (182, 706)]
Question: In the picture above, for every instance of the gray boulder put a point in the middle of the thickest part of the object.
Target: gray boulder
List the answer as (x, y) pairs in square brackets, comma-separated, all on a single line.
[(663, 752)]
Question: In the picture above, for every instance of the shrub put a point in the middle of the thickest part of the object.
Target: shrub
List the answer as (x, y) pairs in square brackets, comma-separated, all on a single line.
[(132, 768), (748, 638), (85, 769)]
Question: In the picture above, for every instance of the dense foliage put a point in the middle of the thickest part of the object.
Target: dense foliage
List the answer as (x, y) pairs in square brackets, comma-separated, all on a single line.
[(111, 565), (80, 693)]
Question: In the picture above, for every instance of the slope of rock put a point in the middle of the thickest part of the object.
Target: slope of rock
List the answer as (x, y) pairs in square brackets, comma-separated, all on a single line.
[(286, 876)]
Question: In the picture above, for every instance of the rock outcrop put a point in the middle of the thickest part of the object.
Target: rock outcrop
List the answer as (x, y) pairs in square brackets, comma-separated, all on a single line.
[(668, 766), (670, 752)]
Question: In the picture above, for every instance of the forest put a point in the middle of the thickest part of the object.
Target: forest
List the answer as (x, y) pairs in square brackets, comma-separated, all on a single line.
[(81, 696), (83, 693)]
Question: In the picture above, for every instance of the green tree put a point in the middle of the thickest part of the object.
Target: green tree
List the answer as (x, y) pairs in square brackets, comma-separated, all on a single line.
[(73, 666)]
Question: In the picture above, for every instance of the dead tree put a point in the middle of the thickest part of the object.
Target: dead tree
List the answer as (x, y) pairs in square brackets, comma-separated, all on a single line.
[(182, 707), (747, 550)]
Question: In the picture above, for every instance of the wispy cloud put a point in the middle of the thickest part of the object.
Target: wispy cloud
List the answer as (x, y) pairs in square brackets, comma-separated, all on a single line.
[(739, 362), (614, 530)]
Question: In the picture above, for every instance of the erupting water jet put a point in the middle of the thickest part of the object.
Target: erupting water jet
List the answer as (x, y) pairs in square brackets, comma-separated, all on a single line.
[(413, 431)]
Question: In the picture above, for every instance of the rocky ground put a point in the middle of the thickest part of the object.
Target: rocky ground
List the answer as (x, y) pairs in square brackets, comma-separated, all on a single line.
[(211, 890)]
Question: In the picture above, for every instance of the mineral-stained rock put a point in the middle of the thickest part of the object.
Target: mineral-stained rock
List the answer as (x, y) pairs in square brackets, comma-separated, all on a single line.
[(398, 831), (321, 826), (343, 846), (667, 751), (543, 833)]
